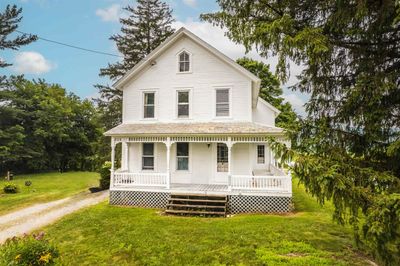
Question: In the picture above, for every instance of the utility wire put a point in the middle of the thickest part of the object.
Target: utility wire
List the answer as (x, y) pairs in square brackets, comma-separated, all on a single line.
[(71, 46)]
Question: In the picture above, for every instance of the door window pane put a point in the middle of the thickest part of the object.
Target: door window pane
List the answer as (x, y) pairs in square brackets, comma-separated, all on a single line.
[(260, 154), (222, 157)]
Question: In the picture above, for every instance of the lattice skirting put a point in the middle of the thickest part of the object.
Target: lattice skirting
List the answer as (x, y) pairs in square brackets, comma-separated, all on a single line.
[(259, 204), (139, 198)]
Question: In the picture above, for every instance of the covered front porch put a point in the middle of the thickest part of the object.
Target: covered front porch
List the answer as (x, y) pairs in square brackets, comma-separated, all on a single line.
[(223, 164)]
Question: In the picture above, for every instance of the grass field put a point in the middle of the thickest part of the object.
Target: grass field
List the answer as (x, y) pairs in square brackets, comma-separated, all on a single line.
[(109, 235), (45, 187)]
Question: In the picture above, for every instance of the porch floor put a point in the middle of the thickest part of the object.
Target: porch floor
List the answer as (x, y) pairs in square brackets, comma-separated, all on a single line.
[(203, 189)]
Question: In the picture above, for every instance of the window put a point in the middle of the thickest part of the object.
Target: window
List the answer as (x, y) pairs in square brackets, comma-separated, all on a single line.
[(222, 102), (184, 62), (260, 154), (182, 155), (148, 156), (222, 157), (183, 104), (149, 105)]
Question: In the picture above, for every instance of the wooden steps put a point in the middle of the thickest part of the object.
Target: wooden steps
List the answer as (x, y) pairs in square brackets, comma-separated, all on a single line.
[(197, 205)]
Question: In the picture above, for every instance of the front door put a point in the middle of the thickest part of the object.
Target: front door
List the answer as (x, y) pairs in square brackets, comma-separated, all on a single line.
[(221, 175)]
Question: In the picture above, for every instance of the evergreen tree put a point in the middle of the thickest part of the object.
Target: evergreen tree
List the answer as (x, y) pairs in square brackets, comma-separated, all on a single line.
[(9, 20), (271, 91), (148, 24), (350, 144)]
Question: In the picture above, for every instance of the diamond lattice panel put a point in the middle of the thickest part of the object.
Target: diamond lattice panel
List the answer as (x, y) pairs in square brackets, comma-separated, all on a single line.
[(259, 204), (139, 198)]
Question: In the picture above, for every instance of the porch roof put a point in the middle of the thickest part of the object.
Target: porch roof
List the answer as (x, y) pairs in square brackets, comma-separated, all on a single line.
[(195, 128)]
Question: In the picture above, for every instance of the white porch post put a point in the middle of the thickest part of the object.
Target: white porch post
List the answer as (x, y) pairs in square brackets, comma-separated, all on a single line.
[(168, 145), (112, 162), (229, 144), (125, 155)]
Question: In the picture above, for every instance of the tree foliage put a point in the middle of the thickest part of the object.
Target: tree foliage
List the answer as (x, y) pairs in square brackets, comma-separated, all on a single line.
[(42, 127), (349, 149), (9, 20), (271, 91)]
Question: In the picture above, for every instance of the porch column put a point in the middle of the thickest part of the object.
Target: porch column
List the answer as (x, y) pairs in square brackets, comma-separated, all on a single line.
[(125, 155), (229, 144), (112, 162), (168, 145)]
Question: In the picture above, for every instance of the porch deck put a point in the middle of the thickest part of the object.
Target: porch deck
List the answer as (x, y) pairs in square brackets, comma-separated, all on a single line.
[(206, 189)]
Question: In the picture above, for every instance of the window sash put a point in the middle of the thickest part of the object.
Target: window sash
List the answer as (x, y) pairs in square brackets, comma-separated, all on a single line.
[(260, 154), (184, 62), (148, 156), (183, 104), (149, 105), (182, 156), (222, 105)]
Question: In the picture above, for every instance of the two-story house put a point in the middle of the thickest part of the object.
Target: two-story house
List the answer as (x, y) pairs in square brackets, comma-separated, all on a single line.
[(193, 125)]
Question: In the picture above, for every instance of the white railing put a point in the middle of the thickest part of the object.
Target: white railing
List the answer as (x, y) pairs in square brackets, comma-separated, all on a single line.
[(124, 179), (282, 183)]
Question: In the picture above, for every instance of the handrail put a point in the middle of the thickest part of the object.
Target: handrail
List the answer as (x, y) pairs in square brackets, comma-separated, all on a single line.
[(265, 183), (125, 179)]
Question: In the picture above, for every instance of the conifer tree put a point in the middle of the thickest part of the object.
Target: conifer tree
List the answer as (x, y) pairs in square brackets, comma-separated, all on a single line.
[(147, 25), (9, 20)]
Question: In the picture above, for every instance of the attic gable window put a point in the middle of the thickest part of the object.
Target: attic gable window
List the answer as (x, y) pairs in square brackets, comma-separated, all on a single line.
[(222, 103), (184, 62)]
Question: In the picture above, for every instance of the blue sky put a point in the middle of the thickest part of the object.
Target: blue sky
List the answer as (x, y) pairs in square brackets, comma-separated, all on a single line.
[(89, 24)]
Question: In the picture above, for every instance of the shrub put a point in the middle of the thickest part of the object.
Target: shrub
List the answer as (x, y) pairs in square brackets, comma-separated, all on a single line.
[(10, 188), (28, 183), (28, 250), (105, 175)]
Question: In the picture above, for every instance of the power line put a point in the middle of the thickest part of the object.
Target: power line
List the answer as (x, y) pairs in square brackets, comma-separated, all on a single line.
[(70, 45)]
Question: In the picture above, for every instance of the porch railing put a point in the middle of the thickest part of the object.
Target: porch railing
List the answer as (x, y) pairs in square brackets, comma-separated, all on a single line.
[(123, 179), (278, 182)]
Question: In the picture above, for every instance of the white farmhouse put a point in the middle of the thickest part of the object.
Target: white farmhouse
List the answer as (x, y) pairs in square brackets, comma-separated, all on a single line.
[(194, 135)]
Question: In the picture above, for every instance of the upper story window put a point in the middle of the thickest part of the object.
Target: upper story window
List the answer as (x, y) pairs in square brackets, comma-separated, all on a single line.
[(183, 104), (222, 102), (184, 62), (149, 105)]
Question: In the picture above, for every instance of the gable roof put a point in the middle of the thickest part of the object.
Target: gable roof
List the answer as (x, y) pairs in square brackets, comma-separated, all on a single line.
[(255, 81), (270, 106)]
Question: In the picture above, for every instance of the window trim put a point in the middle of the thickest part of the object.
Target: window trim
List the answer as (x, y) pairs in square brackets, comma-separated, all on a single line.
[(188, 157), (142, 156), (178, 62), (189, 90), (265, 150), (143, 92), (229, 88)]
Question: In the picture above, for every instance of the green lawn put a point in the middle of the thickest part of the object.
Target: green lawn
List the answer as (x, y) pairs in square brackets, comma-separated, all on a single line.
[(109, 235), (46, 187)]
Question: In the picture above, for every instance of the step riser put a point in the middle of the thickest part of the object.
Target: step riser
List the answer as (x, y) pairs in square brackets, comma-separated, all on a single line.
[(197, 205)]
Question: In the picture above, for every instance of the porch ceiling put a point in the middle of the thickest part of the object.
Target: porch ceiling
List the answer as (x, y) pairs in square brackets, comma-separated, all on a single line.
[(208, 128)]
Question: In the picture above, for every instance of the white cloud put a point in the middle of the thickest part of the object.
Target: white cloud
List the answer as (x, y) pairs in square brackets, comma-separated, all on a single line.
[(111, 13), (191, 3), (31, 63)]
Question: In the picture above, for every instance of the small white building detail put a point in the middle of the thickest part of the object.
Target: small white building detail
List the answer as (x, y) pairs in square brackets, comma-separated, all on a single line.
[(193, 125)]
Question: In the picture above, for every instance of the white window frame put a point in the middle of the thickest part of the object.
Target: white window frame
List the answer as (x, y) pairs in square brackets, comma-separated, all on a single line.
[(188, 156), (189, 90), (229, 88), (265, 151), (154, 157), (190, 62), (155, 91)]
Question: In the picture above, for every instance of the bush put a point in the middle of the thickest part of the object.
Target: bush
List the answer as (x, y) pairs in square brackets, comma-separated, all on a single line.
[(28, 250), (105, 175), (10, 188)]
